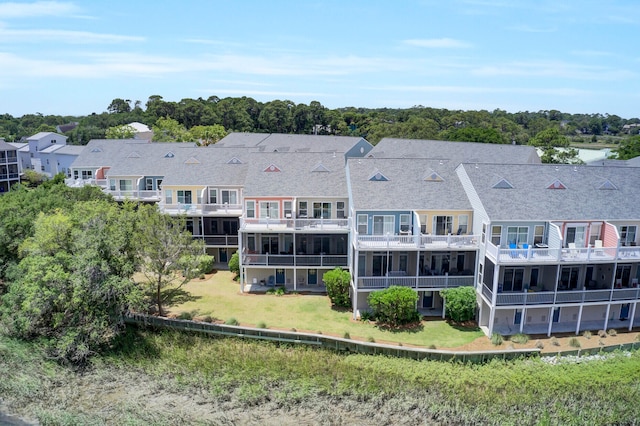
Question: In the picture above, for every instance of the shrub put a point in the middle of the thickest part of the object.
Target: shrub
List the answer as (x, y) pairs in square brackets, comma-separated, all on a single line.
[(205, 263), (555, 341), (602, 333), (520, 338), (539, 344), (234, 263), (185, 316), (371, 339), (432, 346), (587, 334), (346, 335), (366, 316), (497, 339), (337, 282), (574, 342), (460, 303), (394, 305), (262, 324), (208, 318), (232, 321), (612, 332)]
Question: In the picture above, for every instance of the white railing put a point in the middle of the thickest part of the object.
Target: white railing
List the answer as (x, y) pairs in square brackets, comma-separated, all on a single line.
[(298, 224), (218, 240), (421, 282), (561, 296), (320, 260), (432, 242), (72, 182), (134, 194)]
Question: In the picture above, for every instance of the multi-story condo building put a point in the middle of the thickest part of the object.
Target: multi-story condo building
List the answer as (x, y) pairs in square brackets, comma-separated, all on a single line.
[(558, 246), (412, 221), (9, 174), (548, 248)]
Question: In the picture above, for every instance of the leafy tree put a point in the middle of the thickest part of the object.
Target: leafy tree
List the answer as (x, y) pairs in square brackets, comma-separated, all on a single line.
[(169, 256), (474, 134), (208, 135), (394, 306), (555, 147), (337, 282), (460, 303), (169, 130), (118, 106), (74, 282), (124, 131), (629, 148), (234, 263), (33, 178)]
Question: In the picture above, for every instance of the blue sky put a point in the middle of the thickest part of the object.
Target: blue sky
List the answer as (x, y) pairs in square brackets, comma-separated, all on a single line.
[(74, 57)]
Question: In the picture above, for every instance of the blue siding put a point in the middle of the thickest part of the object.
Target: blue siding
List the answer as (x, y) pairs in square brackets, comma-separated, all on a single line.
[(395, 213)]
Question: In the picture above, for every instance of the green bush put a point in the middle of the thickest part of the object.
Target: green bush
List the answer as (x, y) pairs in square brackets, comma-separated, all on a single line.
[(185, 316), (234, 263), (519, 338), (394, 305), (232, 321), (460, 303), (574, 342), (205, 263), (338, 282), (366, 316), (497, 339)]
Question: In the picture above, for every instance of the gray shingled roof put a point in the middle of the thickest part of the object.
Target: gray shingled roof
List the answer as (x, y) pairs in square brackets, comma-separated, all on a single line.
[(241, 140), (408, 186), (4, 146), (529, 199), (205, 166), (112, 152), (296, 176), (456, 152), (280, 142)]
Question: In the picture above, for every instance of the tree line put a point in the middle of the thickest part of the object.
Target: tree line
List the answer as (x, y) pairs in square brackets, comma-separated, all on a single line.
[(209, 119)]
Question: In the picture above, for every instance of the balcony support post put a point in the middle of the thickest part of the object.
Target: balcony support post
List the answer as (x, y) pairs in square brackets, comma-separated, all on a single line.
[(633, 313), (550, 321), (606, 318), (579, 319)]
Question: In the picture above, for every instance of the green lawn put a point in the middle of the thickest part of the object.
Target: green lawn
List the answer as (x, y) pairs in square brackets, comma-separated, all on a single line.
[(219, 296)]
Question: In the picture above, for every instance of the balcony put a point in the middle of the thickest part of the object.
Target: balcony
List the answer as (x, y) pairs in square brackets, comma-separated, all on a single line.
[(408, 242), (306, 225), (319, 260), (561, 297), (201, 209), (218, 240), (152, 196), (418, 283), (78, 183), (539, 255)]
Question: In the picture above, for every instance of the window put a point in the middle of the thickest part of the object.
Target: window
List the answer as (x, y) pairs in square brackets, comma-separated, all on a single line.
[(463, 224), (112, 184), (148, 184), (627, 235), (75, 175), (383, 225), (575, 234), (302, 209), (229, 197), (126, 185), (322, 210), (251, 209), (517, 234), (269, 209), (159, 184), (538, 234), (87, 174), (213, 196), (340, 210), (594, 233), (496, 235), (362, 265), (287, 209), (442, 225), (168, 196), (569, 278), (363, 227), (513, 279), (184, 197), (405, 223)]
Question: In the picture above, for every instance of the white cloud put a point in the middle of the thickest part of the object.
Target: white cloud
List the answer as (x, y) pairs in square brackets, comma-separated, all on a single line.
[(437, 43), (553, 69), (38, 8), (71, 37)]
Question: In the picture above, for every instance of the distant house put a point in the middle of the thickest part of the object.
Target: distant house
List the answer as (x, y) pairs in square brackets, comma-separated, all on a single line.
[(142, 131), (9, 174), (47, 153)]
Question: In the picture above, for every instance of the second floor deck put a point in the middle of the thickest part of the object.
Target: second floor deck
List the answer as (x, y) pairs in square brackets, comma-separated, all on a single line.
[(529, 298), (416, 242), (297, 224), (316, 260), (540, 254), (439, 282)]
